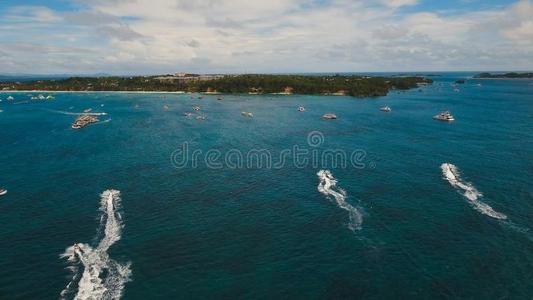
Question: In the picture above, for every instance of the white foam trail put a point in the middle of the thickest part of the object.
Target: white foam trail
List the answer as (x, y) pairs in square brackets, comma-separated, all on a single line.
[(102, 277), (77, 114), (328, 187), (452, 175)]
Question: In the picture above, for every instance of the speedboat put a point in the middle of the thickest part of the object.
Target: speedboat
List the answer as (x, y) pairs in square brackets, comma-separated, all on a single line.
[(3, 192), (247, 114), (301, 109), (449, 171), (444, 116), (386, 109), (329, 116)]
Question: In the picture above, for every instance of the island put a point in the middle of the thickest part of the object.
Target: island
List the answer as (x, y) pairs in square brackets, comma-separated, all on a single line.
[(511, 75), (343, 85)]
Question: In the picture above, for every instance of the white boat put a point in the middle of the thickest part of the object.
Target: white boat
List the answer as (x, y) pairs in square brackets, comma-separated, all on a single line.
[(166, 108), (196, 108), (247, 114), (386, 109), (301, 109), (10, 98), (3, 192), (1, 111), (444, 116), (329, 116), (50, 97), (201, 118), (41, 97), (187, 114)]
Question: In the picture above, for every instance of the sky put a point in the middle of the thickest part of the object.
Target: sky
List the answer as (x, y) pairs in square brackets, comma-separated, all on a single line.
[(124, 37)]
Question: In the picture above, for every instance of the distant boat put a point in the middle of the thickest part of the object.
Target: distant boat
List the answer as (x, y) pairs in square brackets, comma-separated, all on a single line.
[(196, 108), (88, 110), (444, 116), (3, 192), (10, 98), (166, 108), (1, 111), (329, 116), (187, 114), (201, 118), (386, 109), (247, 114), (301, 109), (219, 98)]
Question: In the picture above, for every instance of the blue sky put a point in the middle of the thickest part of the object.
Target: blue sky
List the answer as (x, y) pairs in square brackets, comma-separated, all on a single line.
[(165, 36)]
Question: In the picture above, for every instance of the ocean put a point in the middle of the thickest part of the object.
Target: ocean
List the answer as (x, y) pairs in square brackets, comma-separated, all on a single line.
[(284, 204)]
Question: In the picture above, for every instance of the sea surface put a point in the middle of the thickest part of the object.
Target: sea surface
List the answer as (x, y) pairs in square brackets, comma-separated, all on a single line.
[(424, 210)]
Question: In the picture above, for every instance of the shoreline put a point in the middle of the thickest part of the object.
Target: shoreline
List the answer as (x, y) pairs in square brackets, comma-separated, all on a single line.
[(181, 93)]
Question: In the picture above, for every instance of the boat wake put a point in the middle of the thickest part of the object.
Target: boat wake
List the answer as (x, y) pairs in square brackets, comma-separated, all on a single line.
[(328, 187), (77, 114), (96, 275), (453, 176)]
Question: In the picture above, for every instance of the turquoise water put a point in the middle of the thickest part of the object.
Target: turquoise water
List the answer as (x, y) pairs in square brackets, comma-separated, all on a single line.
[(198, 232)]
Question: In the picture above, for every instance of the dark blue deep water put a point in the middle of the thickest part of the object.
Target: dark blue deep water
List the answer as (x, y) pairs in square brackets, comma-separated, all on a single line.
[(199, 231)]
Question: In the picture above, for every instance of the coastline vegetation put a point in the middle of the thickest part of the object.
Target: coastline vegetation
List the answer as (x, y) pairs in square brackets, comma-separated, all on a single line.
[(357, 86), (511, 75)]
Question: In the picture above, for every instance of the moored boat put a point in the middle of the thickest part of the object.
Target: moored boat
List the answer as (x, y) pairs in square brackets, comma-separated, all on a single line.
[(3, 192), (329, 116), (444, 116), (386, 109), (301, 109), (10, 98), (247, 114), (83, 121)]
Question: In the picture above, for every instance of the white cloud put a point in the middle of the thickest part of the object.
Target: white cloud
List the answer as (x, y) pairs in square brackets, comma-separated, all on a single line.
[(399, 3), (152, 36)]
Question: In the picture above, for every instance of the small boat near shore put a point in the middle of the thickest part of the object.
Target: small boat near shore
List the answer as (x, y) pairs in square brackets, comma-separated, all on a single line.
[(301, 109), (329, 116), (196, 108), (444, 116), (10, 98), (385, 109), (3, 192), (247, 114)]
